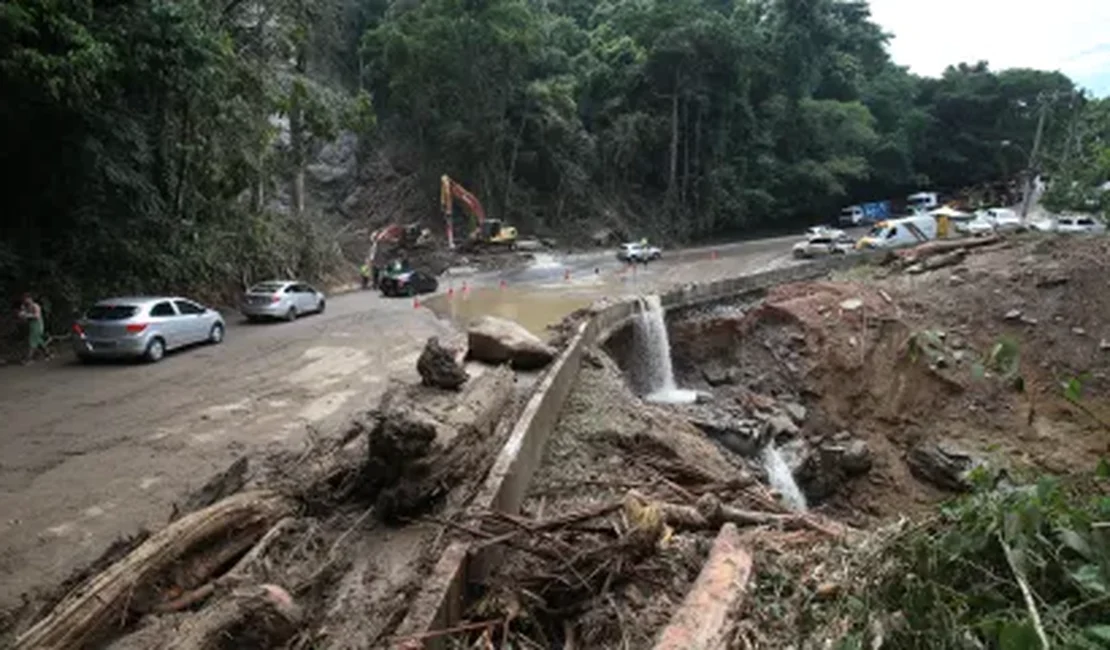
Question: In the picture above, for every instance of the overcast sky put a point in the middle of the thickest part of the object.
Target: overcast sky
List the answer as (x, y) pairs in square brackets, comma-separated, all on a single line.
[(1072, 36)]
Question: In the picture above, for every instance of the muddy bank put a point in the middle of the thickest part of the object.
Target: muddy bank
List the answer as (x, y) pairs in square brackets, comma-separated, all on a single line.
[(617, 522), (885, 388)]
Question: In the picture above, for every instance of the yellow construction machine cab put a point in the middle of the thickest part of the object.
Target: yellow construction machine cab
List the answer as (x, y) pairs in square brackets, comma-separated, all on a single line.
[(496, 232)]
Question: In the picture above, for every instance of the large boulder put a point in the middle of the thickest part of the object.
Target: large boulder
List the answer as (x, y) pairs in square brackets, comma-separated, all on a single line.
[(744, 437), (498, 341), (438, 367), (821, 468), (944, 464)]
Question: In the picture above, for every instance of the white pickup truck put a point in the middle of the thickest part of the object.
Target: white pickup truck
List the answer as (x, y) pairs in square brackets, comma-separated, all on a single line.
[(636, 252)]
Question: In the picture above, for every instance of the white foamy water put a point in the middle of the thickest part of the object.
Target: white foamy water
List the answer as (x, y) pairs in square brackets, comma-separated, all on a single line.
[(782, 479), (651, 330), (544, 261)]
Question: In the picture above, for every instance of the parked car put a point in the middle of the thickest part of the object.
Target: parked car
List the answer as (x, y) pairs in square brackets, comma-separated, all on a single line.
[(286, 299), (637, 252), (980, 226), (144, 327), (1004, 220), (406, 282), (1079, 225), (821, 245)]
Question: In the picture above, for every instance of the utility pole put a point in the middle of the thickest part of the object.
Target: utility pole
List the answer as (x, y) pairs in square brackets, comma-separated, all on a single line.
[(1027, 190)]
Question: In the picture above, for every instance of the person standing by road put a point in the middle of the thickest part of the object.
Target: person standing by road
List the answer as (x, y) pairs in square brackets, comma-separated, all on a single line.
[(364, 271), (31, 311)]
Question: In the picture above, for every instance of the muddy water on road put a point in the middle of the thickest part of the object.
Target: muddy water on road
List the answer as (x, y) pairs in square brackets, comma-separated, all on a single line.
[(551, 288), (535, 309)]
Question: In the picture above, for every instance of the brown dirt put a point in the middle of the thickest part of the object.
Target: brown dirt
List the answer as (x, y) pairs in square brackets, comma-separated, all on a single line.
[(862, 368)]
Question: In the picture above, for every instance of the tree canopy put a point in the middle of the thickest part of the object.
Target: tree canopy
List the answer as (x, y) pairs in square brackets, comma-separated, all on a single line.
[(156, 144)]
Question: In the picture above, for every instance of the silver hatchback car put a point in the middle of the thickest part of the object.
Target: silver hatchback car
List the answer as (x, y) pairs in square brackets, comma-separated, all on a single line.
[(282, 299), (144, 327)]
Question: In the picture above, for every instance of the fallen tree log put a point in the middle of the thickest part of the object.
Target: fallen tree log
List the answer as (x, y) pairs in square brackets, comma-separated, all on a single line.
[(424, 441), (935, 262), (918, 254), (106, 599)]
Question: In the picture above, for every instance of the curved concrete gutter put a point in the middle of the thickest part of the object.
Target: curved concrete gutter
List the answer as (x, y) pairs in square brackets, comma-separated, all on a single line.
[(442, 601)]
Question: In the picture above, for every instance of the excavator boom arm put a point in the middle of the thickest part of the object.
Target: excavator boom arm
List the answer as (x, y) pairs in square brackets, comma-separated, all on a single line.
[(450, 190)]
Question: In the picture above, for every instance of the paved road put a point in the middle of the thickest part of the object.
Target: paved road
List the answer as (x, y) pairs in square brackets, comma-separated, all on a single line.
[(88, 453), (91, 452)]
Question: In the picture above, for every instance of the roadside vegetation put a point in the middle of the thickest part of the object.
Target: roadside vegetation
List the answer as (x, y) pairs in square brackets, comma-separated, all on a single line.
[(1012, 566), (155, 146)]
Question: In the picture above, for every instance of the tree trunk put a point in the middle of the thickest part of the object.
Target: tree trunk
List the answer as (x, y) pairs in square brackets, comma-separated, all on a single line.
[(674, 137), (685, 150), (105, 599), (426, 441), (512, 166), (704, 220), (182, 162), (297, 137)]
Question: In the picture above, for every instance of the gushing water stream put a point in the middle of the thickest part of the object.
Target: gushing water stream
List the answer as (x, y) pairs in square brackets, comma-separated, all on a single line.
[(651, 329), (782, 479), (651, 333)]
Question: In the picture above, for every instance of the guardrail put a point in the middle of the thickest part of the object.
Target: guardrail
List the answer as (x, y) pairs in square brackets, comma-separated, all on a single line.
[(441, 602)]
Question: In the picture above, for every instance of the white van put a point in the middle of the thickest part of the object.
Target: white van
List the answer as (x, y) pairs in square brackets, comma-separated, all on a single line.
[(852, 215), (922, 201), (893, 233)]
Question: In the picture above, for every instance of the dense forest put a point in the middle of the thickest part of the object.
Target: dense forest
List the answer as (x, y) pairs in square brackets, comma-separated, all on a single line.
[(195, 145)]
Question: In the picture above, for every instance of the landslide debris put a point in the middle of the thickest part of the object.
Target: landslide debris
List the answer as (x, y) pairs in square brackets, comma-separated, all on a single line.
[(888, 388), (322, 548)]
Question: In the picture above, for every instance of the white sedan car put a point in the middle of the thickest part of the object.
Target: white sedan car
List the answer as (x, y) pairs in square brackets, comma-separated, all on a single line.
[(821, 245), (636, 252), (1080, 225)]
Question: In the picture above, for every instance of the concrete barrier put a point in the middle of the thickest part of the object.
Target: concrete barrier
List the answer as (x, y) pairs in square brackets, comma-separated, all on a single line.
[(439, 604)]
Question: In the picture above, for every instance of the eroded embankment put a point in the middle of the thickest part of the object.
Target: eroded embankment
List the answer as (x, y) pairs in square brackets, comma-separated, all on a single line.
[(885, 389)]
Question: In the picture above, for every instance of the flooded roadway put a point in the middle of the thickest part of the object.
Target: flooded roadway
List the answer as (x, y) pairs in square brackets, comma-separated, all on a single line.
[(554, 285)]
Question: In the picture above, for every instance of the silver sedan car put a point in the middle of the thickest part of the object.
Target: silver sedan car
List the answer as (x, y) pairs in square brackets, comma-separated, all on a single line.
[(144, 327), (282, 299)]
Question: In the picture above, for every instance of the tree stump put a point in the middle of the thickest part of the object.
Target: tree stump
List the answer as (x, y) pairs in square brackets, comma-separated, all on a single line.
[(422, 442), (438, 368)]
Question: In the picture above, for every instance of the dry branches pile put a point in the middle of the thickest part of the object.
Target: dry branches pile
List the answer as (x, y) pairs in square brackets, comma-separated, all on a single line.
[(604, 576)]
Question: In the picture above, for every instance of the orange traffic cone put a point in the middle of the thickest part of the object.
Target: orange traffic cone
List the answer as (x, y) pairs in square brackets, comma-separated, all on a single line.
[(416, 302)]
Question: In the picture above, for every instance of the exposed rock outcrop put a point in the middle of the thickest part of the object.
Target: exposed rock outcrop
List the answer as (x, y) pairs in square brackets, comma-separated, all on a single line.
[(943, 464)]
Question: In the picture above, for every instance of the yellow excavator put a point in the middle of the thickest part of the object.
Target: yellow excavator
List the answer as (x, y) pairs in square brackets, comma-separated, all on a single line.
[(484, 231)]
